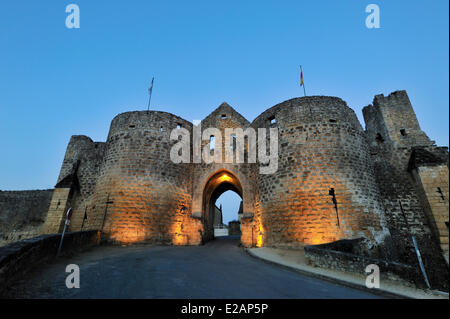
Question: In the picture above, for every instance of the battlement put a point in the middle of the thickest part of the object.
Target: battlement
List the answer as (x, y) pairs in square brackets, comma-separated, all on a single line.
[(392, 119), (397, 98)]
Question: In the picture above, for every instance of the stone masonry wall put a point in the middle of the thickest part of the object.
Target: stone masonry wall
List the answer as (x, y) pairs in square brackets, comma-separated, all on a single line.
[(207, 186), (140, 195), (402, 198), (89, 156), (16, 259), (22, 214), (434, 183), (76, 181), (322, 150), (334, 180)]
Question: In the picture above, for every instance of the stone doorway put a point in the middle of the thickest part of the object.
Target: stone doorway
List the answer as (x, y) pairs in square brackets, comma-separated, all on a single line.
[(219, 183)]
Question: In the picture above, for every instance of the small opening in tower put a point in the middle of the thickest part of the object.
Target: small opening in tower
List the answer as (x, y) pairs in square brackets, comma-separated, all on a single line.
[(379, 138), (403, 132), (333, 121), (178, 126), (161, 129), (233, 142), (272, 120), (223, 116), (132, 126), (212, 142), (439, 190)]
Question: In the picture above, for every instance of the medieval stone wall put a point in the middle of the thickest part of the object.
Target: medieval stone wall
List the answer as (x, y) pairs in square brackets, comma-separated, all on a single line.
[(322, 151), (140, 195), (402, 197), (333, 180), (239, 177), (22, 214), (77, 179), (433, 181)]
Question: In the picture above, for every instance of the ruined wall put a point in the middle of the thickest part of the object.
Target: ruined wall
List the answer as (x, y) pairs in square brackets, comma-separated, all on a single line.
[(322, 150), (394, 119), (429, 168), (401, 196), (86, 157), (22, 214), (76, 181), (434, 184)]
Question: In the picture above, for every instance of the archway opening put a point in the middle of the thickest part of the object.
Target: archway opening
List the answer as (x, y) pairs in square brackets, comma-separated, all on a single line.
[(228, 214), (219, 183)]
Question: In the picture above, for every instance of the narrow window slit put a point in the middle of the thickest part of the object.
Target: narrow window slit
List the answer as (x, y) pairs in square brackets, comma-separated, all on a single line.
[(333, 194), (379, 138), (439, 190), (212, 143)]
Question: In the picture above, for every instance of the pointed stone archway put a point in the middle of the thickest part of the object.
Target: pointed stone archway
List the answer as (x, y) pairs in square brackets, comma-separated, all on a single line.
[(217, 184)]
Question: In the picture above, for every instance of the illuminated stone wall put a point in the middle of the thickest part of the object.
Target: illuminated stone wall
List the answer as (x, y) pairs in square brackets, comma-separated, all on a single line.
[(140, 195), (207, 178), (434, 182), (334, 180), (322, 150)]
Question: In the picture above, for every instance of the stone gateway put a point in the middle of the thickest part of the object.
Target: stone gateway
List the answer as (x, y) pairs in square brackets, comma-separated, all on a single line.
[(334, 181)]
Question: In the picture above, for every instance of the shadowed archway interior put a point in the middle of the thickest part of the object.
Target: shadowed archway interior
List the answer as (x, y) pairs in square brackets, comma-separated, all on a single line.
[(217, 184)]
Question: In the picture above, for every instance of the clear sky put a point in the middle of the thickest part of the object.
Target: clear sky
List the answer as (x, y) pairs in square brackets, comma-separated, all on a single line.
[(57, 82)]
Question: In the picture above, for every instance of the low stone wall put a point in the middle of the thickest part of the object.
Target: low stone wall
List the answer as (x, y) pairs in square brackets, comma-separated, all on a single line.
[(324, 257), (22, 214), (18, 258)]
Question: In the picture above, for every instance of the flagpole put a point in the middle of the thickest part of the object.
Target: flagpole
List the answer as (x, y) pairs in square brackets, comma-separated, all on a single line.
[(150, 90), (304, 89), (149, 99)]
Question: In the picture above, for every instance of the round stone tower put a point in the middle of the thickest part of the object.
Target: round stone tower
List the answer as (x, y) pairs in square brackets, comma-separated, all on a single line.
[(140, 193), (324, 189)]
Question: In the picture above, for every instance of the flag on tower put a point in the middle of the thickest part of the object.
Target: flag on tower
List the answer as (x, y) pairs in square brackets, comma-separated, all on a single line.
[(301, 76), (301, 81)]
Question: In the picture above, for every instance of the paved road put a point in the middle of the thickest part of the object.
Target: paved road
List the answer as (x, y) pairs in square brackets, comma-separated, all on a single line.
[(219, 269)]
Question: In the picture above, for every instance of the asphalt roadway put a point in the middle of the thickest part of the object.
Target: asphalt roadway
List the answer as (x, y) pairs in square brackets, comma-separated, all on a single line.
[(219, 269)]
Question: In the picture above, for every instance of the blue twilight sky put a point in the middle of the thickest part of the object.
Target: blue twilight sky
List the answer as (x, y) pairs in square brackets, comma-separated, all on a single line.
[(56, 82)]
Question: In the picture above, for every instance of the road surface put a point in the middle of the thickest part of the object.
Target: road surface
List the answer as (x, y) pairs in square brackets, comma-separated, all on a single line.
[(219, 269)]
